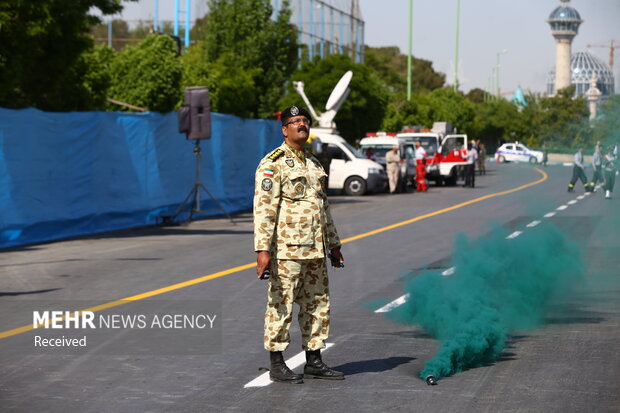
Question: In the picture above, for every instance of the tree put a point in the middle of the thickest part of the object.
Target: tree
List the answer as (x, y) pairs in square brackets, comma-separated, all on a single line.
[(147, 75), (476, 95), (440, 105), (559, 121), (41, 61), (245, 57), (497, 121), (364, 108), (391, 66), (607, 125)]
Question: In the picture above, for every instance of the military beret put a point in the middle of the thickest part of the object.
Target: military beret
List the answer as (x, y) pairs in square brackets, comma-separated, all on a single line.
[(293, 111)]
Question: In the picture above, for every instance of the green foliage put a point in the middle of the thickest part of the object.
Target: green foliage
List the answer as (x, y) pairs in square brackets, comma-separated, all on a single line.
[(96, 80), (496, 121), (245, 57), (607, 125), (426, 108), (41, 53), (231, 91), (558, 122), (364, 108), (476, 95), (391, 66), (147, 75)]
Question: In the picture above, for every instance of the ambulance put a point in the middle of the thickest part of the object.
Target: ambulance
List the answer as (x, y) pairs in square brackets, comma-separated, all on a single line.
[(445, 154)]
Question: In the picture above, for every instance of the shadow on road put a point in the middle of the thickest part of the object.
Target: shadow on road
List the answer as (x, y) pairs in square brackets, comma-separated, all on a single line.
[(8, 294), (373, 366)]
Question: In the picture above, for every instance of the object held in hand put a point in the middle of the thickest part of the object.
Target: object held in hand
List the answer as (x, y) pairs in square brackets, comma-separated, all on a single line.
[(265, 275), (335, 262), (431, 381)]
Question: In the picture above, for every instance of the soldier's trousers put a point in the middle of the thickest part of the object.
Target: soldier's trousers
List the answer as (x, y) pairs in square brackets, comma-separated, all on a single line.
[(578, 173), (303, 282), (597, 176), (392, 172), (610, 180)]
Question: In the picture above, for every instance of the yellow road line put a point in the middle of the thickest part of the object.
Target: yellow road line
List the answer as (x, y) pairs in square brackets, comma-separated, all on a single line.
[(441, 211), (229, 271)]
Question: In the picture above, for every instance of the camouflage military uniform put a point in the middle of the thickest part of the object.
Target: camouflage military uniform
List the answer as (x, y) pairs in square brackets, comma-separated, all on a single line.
[(292, 221)]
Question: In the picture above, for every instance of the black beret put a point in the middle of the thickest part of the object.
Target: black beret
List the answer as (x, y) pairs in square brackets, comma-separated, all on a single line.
[(292, 111)]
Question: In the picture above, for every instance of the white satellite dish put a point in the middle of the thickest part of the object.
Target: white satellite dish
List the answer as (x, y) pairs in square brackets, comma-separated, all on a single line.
[(335, 101), (339, 91)]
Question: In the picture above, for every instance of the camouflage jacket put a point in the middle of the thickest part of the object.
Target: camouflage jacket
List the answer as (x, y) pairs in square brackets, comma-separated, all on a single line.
[(291, 213)]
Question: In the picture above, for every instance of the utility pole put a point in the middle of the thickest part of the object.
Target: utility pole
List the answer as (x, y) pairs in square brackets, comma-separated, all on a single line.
[(456, 46), (409, 56), (497, 71)]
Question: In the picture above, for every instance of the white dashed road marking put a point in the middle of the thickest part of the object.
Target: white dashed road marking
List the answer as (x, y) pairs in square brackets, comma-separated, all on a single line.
[(403, 299), (294, 362), (514, 235), (448, 272), (390, 306)]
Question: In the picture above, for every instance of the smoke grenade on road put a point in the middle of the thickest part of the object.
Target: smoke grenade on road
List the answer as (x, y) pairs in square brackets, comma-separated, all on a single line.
[(498, 286)]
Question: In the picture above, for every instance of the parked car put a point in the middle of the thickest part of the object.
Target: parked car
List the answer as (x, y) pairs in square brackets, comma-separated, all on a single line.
[(517, 152)]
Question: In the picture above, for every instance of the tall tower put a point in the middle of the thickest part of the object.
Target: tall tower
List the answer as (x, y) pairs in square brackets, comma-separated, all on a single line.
[(564, 22)]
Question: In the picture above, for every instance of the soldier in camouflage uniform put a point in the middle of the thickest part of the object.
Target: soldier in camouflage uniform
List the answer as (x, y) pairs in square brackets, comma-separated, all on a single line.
[(293, 235)]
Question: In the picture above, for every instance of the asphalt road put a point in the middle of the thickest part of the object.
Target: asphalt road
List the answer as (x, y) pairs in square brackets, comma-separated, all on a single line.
[(571, 363)]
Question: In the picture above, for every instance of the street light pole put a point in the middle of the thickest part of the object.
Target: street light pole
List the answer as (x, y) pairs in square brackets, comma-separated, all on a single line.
[(456, 46), (409, 56), (497, 71), (491, 83)]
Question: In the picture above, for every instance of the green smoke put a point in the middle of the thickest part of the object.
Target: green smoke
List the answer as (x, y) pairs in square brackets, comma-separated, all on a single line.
[(499, 286)]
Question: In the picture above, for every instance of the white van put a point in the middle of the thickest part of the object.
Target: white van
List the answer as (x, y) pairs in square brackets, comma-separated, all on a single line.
[(349, 171)]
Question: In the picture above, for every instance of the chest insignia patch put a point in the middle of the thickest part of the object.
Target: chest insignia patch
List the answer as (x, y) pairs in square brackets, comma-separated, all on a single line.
[(290, 162), (299, 188)]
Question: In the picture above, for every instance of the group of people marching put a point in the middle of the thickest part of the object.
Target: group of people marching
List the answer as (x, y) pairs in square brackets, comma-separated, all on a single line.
[(604, 165)]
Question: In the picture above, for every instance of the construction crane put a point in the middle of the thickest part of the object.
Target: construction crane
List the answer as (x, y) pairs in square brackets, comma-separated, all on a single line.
[(611, 47)]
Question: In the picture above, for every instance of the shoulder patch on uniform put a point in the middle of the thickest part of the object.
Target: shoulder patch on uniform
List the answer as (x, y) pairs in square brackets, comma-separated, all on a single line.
[(275, 154)]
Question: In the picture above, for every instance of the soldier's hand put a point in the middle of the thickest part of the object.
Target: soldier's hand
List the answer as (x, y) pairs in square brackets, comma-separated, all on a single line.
[(338, 259), (262, 262)]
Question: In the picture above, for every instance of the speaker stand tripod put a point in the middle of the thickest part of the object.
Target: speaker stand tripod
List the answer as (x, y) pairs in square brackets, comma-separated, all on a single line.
[(194, 193)]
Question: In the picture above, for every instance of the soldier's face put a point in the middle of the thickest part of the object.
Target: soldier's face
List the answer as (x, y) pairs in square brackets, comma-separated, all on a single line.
[(297, 130)]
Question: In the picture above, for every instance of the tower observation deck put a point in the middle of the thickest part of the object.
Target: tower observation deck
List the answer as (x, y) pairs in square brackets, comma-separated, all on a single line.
[(564, 22)]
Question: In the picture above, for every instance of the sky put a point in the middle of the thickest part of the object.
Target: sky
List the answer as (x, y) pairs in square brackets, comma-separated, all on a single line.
[(486, 27)]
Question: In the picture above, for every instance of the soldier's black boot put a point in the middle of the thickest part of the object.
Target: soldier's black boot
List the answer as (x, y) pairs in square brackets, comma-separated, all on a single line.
[(316, 369), (279, 371)]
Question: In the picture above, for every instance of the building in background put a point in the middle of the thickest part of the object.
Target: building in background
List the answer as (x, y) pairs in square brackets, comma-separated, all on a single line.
[(564, 21), (575, 69), (326, 27), (583, 67)]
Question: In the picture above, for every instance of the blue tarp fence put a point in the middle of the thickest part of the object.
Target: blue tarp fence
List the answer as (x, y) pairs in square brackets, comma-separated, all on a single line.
[(70, 174)]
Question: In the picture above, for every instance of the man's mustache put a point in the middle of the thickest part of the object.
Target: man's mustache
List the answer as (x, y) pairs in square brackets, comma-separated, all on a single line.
[(302, 129)]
